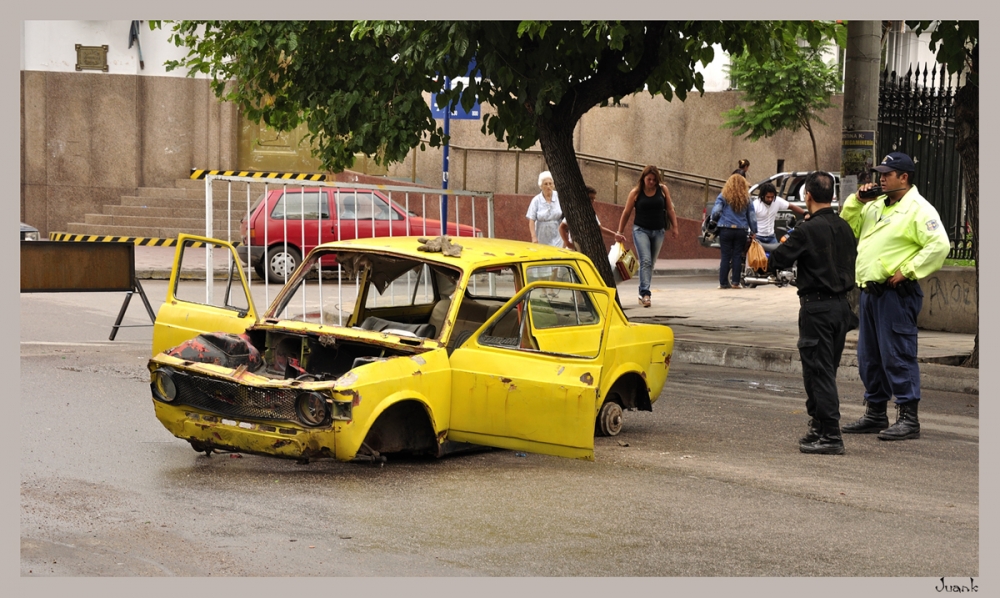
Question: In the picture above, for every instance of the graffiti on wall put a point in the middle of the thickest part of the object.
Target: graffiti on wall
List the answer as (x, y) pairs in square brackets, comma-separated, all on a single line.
[(948, 294)]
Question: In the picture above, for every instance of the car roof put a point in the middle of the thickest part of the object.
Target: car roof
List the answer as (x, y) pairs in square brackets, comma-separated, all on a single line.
[(476, 251)]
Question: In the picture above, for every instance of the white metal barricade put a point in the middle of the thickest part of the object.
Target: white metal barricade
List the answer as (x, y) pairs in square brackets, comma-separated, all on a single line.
[(463, 208)]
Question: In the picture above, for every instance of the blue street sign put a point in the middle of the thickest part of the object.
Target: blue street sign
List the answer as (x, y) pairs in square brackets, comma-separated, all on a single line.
[(460, 113)]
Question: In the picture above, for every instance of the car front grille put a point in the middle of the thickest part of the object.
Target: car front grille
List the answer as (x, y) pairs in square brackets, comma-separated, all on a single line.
[(234, 400)]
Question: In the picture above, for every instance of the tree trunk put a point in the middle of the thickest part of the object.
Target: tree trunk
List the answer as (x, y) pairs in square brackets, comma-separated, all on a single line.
[(812, 138), (557, 147), (967, 144)]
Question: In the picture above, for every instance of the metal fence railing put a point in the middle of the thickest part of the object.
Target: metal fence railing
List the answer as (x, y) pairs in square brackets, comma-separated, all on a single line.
[(917, 116), (281, 221)]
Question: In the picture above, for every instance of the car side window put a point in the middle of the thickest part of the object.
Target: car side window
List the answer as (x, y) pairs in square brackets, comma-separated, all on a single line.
[(557, 308), (560, 272), (364, 205), (296, 205), (494, 282), (228, 292), (549, 320)]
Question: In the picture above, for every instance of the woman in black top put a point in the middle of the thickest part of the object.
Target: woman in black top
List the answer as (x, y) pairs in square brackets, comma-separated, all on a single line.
[(654, 214)]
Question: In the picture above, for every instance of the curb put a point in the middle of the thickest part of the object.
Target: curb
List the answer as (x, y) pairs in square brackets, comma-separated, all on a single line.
[(933, 376), (686, 272)]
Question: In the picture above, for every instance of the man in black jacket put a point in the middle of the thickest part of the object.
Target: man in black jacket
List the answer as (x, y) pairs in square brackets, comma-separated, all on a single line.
[(826, 249)]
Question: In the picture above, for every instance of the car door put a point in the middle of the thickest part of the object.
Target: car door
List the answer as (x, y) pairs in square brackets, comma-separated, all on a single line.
[(190, 307), (528, 379)]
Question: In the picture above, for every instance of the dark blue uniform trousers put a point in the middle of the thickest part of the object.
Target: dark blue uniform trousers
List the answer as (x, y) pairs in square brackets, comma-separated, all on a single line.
[(822, 328), (887, 345)]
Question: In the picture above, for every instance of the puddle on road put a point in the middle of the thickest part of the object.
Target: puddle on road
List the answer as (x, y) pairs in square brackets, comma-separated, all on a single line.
[(765, 386)]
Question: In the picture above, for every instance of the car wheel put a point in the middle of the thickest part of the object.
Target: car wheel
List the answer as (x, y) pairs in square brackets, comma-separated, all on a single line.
[(259, 269), (609, 420), (281, 262)]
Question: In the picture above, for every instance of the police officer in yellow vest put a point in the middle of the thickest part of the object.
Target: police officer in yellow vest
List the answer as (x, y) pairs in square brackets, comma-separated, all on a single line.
[(900, 240)]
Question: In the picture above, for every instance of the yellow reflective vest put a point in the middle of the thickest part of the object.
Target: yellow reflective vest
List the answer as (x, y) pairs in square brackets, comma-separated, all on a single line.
[(907, 236)]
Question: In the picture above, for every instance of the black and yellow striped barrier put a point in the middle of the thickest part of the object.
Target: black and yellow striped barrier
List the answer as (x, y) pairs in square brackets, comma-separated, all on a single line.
[(150, 241), (199, 174)]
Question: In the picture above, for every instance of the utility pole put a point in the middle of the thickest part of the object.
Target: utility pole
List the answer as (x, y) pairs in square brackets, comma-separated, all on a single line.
[(861, 75)]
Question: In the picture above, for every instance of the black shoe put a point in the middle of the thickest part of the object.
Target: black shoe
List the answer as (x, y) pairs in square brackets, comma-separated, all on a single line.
[(829, 442), (872, 422), (907, 425), (813, 434)]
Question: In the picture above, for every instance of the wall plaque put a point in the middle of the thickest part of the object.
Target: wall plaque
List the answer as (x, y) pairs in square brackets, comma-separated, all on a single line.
[(92, 58)]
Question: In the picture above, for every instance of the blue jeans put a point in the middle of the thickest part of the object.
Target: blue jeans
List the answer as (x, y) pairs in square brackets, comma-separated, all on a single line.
[(769, 239), (647, 244), (731, 243)]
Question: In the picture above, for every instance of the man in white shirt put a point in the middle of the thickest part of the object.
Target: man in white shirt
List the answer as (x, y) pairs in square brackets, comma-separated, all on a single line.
[(767, 205)]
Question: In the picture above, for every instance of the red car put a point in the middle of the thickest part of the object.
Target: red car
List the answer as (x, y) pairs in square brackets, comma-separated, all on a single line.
[(293, 221)]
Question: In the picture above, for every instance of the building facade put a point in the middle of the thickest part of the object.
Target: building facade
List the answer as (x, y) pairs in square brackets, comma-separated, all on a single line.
[(93, 133)]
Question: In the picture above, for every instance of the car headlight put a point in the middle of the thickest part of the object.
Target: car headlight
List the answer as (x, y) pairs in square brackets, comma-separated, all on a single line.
[(312, 408), (163, 386)]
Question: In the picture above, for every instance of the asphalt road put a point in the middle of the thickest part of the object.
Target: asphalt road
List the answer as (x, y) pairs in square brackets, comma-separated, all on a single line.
[(710, 483)]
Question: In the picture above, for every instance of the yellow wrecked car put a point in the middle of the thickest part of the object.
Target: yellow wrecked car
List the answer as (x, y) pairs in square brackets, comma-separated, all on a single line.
[(378, 346)]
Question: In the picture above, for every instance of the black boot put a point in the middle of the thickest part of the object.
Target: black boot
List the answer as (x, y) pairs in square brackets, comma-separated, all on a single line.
[(813, 434), (829, 442), (872, 422), (907, 425)]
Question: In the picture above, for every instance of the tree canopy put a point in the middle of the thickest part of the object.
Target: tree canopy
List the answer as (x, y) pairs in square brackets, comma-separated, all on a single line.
[(359, 85), (955, 44), (784, 92)]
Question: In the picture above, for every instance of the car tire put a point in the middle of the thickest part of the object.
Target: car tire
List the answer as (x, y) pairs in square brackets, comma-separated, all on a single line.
[(281, 262), (259, 269), (609, 420)]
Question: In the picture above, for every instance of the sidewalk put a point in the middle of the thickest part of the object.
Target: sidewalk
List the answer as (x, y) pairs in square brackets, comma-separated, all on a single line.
[(740, 328)]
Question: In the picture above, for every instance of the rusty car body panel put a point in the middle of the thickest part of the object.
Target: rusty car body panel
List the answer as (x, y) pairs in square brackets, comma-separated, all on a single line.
[(510, 345)]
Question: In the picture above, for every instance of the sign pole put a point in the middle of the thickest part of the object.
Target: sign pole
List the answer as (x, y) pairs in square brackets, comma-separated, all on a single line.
[(444, 165)]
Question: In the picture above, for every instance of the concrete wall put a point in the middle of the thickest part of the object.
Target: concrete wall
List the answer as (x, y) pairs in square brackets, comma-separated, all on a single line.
[(683, 136), (951, 301), (89, 138)]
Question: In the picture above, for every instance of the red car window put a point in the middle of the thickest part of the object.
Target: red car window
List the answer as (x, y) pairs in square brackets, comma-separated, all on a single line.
[(301, 205), (364, 205)]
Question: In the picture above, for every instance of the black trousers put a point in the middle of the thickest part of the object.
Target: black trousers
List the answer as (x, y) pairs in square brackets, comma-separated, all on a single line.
[(822, 329)]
